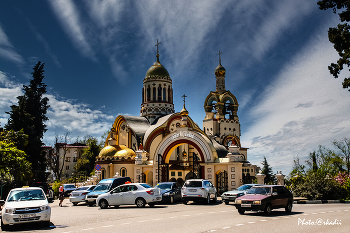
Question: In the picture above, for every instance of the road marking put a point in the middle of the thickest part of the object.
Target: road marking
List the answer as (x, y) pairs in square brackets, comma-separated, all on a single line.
[(127, 223), (173, 217), (212, 230), (108, 226), (199, 213), (223, 211), (211, 212), (331, 211), (305, 214), (87, 229), (346, 210), (157, 219), (226, 227), (263, 220), (313, 213), (251, 222), (186, 215), (240, 224), (143, 220), (322, 212)]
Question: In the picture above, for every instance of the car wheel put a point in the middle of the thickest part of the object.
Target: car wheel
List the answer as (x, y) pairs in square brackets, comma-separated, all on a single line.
[(151, 205), (227, 202), (240, 211), (208, 199), (75, 203), (289, 207), (185, 202), (4, 227), (103, 204), (268, 209), (215, 198), (140, 202), (171, 200)]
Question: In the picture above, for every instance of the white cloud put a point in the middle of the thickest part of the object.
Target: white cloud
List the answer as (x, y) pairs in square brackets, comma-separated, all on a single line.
[(7, 51), (78, 119), (69, 17), (305, 107)]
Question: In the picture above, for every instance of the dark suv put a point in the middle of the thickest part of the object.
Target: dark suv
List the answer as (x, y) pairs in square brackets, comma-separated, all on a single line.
[(265, 198)]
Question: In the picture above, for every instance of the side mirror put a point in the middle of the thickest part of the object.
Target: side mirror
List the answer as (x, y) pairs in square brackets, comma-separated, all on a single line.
[(274, 194)]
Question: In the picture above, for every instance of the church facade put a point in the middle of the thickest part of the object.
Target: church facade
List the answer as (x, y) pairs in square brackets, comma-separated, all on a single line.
[(162, 145)]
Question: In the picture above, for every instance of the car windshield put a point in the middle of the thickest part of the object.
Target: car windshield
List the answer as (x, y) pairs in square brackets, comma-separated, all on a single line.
[(260, 190), (147, 186), (164, 186), (102, 187), (26, 195), (244, 187), (193, 184)]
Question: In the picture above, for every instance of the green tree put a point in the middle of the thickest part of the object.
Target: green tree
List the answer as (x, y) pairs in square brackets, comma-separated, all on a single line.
[(339, 36), (344, 147), (14, 166), (267, 170), (85, 165), (30, 115)]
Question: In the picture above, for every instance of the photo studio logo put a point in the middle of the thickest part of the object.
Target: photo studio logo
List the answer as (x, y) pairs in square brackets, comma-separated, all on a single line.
[(319, 222)]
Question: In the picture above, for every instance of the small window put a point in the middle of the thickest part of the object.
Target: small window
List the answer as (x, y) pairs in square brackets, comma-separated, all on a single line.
[(67, 167), (75, 159), (67, 159), (179, 173), (172, 173)]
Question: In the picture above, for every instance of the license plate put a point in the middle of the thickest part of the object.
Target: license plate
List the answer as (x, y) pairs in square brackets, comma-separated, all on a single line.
[(246, 205), (26, 215), (192, 190)]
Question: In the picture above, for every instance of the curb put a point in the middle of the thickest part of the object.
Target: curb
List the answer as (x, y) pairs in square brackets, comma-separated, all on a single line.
[(319, 201)]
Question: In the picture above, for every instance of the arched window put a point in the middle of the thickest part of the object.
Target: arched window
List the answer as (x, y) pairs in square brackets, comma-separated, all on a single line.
[(164, 94), (159, 93), (123, 172), (154, 94), (148, 93)]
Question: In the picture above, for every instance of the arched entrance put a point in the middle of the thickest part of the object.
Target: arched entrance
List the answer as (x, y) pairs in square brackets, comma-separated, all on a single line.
[(183, 152), (221, 181)]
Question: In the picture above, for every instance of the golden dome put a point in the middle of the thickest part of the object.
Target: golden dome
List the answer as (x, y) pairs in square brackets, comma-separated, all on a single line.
[(220, 70), (117, 151), (157, 69)]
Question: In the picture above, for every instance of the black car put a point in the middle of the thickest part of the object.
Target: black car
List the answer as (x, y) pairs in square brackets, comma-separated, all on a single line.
[(265, 198), (171, 191)]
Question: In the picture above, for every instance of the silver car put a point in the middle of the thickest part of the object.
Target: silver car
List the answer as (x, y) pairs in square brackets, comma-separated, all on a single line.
[(230, 196), (24, 205), (138, 194), (79, 194), (198, 190)]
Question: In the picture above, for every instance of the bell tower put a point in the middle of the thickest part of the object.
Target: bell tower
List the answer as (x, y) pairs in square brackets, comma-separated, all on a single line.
[(157, 92), (221, 120)]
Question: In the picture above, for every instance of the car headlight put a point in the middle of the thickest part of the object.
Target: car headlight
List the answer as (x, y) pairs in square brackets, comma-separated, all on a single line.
[(44, 207), (257, 202), (238, 201), (166, 194), (9, 210)]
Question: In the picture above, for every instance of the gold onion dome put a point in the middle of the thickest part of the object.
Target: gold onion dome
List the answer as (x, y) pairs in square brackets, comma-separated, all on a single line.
[(157, 69), (220, 70), (184, 111), (116, 151)]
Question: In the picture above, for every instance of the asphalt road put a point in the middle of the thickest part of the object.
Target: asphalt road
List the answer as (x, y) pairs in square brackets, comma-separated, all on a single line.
[(216, 217)]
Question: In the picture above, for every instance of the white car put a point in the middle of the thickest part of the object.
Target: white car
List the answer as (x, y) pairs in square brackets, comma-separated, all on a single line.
[(24, 205), (138, 194), (198, 190), (79, 194)]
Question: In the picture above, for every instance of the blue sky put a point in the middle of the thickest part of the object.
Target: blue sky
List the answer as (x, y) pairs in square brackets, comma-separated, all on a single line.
[(96, 55)]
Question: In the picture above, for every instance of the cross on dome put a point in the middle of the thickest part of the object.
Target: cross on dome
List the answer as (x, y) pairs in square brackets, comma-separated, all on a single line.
[(219, 56), (184, 96), (158, 43)]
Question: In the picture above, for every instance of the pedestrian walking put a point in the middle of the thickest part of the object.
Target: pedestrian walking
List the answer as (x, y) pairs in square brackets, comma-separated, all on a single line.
[(61, 195)]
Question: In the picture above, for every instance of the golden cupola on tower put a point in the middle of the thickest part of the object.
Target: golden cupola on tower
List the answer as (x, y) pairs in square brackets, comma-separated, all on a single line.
[(157, 92)]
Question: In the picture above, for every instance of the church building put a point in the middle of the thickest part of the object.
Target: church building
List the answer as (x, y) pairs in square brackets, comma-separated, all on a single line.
[(163, 145)]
